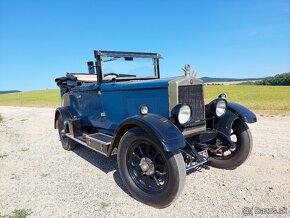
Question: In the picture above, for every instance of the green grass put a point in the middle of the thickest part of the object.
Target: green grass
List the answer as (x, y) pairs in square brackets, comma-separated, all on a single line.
[(22, 213), (39, 98), (251, 96), (1, 118)]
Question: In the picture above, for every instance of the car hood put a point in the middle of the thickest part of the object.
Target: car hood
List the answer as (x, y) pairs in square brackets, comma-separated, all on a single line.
[(137, 85)]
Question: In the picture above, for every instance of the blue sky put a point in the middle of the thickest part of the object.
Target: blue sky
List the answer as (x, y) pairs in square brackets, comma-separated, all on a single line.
[(41, 40)]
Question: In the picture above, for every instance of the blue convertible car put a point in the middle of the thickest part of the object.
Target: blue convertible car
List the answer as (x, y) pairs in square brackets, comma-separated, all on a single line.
[(159, 128)]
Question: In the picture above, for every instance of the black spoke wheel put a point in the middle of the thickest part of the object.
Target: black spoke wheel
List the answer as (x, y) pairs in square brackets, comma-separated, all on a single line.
[(152, 176), (232, 156), (147, 167), (67, 143)]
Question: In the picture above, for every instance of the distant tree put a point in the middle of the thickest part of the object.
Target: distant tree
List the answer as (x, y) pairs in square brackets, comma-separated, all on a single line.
[(277, 80), (247, 83)]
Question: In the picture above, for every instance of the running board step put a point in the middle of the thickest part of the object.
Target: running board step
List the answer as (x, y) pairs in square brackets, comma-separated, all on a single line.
[(98, 141)]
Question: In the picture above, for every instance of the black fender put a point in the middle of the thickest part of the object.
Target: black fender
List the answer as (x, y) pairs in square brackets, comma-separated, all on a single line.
[(66, 112), (234, 111), (242, 112), (161, 129)]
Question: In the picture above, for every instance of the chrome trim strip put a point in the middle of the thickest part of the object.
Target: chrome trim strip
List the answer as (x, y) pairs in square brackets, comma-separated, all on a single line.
[(85, 144), (193, 131)]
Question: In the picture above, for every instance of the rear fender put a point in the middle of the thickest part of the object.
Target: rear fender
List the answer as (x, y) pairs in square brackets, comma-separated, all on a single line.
[(66, 112), (163, 132)]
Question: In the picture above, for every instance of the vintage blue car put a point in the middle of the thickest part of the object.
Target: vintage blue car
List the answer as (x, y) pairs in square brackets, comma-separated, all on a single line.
[(159, 128)]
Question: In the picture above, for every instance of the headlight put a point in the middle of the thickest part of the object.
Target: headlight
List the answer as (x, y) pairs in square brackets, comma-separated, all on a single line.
[(184, 114), (181, 113), (221, 108), (217, 107)]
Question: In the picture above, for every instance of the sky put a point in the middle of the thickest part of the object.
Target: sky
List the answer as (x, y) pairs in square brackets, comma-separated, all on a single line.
[(42, 40)]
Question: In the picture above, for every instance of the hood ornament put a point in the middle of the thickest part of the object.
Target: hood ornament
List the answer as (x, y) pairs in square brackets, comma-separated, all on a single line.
[(186, 70)]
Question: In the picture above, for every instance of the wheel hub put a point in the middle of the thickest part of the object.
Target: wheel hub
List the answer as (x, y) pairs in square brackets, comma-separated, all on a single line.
[(147, 166)]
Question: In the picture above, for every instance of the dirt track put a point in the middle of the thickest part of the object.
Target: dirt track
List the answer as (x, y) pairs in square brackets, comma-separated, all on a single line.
[(37, 174)]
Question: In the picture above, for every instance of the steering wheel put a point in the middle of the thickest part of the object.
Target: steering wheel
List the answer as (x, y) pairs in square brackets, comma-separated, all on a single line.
[(111, 74)]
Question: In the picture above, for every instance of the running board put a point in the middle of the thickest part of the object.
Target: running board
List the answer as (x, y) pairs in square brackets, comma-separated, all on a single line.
[(98, 141)]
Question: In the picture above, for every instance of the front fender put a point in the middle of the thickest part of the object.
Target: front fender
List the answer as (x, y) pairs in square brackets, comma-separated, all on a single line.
[(242, 112), (234, 111), (161, 129)]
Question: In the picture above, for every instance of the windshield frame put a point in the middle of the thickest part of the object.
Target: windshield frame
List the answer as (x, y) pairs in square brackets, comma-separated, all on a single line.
[(118, 54)]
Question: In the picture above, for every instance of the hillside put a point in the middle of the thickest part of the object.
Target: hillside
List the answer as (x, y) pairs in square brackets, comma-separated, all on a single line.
[(9, 91), (213, 80)]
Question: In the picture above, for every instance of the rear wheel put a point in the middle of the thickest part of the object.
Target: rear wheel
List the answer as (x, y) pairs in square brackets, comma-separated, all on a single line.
[(230, 157), (152, 176), (67, 143)]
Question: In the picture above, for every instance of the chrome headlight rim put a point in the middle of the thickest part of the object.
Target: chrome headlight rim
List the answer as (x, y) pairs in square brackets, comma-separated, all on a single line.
[(184, 114), (181, 113), (218, 107), (221, 107)]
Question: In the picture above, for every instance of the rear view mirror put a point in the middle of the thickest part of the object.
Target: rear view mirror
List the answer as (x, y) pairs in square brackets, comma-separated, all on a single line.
[(91, 67)]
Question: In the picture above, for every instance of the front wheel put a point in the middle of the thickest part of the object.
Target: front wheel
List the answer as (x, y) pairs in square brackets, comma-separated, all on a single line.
[(232, 157), (152, 176)]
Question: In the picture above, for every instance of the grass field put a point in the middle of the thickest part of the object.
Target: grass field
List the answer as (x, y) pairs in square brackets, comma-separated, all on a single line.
[(39, 98), (254, 97)]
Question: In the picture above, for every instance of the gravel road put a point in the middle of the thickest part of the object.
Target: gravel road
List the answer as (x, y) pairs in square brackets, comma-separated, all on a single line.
[(38, 175)]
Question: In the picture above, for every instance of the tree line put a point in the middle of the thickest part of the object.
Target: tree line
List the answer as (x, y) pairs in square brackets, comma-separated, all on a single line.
[(282, 79), (278, 80)]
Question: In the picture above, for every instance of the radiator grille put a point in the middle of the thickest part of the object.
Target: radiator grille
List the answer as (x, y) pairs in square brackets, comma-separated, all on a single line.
[(193, 96)]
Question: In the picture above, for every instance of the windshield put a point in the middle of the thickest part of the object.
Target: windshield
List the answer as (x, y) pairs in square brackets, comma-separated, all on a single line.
[(128, 67)]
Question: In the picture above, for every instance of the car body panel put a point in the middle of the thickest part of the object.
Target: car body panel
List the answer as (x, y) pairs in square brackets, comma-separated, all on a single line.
[(105, 106)]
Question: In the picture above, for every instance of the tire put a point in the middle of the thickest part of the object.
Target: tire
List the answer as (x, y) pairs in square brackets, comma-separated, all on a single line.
[(242, 151), (165, 173), (67, 143)]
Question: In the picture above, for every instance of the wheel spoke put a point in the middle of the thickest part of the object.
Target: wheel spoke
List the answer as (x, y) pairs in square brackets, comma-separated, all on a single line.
[(134, 164), (156, 180), (155, 156), (233, 147), (148, 150), (141, 151), (136, 156), (160, 175), (147, 181)]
